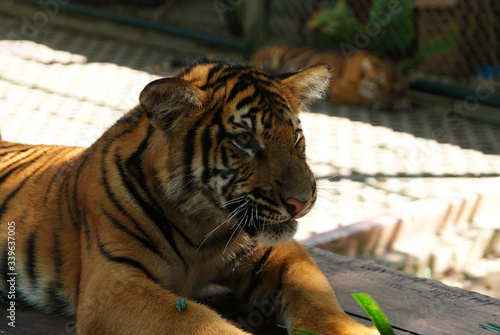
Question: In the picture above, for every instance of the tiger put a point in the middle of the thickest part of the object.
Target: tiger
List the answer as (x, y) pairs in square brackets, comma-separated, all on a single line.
[(360, 79), (201, 183)]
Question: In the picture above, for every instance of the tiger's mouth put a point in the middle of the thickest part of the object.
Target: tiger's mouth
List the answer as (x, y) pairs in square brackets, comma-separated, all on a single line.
[(271, 230), (273, 234)]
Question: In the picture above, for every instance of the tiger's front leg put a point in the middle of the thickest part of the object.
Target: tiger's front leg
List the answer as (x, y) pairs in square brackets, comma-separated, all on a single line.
[(121, 300), (287, 278)]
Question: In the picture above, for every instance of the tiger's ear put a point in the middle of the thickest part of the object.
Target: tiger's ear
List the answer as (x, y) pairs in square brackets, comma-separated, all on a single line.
[(167, 100), (310, 84)]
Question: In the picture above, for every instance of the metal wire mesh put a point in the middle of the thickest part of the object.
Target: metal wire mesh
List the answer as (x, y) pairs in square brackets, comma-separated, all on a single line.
[(454, 38), (451, 41)]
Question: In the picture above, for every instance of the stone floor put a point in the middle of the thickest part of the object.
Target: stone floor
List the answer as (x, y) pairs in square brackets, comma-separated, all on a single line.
[(66, 86)]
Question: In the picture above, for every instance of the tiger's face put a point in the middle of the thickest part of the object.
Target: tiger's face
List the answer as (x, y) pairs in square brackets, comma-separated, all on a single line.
[(239, 147), (263, 178), (383, 85)]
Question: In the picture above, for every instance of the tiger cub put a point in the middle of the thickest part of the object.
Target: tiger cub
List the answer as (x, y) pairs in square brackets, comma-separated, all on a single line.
[(201, 183), (362, 79)]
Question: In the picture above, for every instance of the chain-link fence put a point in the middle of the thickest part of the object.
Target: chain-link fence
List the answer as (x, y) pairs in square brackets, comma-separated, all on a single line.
[(454, 38), (451, 41)]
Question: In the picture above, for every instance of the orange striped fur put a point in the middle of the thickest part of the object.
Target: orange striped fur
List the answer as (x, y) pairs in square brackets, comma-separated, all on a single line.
[(359, 79), (201, 183)]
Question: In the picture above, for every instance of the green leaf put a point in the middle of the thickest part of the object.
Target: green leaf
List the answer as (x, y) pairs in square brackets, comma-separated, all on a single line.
[(337, 22), (434, 47), (491, 326), (374, 312), (390, 26), (395, 18)]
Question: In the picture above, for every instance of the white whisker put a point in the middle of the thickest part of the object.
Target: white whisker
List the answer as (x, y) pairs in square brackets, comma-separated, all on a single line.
[(327, 193), (236, 211), (239, 234), (232, 201), (230, 238), (230, 217), (251, 218)]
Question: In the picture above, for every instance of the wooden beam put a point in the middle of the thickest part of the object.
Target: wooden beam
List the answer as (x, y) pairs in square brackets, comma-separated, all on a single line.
[(418, 305), (412, 305)]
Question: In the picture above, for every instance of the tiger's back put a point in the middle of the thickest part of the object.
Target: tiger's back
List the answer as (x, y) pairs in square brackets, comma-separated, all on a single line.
[(46, 191)]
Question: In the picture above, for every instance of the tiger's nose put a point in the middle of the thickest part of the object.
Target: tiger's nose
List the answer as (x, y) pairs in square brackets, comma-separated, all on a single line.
[(295, 206)]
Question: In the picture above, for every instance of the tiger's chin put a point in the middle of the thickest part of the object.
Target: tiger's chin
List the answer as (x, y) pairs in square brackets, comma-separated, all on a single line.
[(276, 233)]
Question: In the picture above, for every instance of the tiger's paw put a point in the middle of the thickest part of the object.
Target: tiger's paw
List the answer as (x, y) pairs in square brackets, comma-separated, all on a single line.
[(350, 327), (359, 330)]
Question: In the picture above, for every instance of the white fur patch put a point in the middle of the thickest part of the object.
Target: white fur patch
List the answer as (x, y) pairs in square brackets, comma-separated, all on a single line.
[(278, 233)]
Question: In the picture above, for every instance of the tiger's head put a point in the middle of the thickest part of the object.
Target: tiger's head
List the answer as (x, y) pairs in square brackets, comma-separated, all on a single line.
[(234, 151), (381, 85)]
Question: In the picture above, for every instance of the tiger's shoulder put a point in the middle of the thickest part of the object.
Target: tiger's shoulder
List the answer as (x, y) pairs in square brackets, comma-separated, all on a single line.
[(358, 79)]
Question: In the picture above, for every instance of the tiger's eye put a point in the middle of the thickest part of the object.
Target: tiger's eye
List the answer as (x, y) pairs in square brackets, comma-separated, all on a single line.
[(244, 138), (296, 138)]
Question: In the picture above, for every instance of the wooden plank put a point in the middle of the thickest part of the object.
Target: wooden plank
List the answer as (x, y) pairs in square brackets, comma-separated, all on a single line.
[(412, 305)]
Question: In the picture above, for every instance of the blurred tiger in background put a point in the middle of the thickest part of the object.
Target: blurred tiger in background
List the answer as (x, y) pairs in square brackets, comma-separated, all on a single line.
[(201, 183), (361, 79)]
